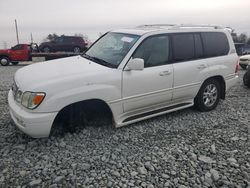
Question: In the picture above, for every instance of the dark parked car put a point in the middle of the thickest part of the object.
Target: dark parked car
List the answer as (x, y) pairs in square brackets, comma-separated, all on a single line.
[(246, 77), (64, 43)]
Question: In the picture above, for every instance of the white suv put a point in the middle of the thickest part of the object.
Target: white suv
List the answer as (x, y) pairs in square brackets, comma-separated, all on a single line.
[(133, 74)]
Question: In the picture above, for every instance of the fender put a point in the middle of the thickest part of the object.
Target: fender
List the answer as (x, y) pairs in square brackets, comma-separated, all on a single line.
[(6, 55), (106, 93)]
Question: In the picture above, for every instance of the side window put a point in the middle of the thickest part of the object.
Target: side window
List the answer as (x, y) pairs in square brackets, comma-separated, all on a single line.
[(17, 47), (59, 40), (183, 47), (154, 50), (198, 46), (215, 44)]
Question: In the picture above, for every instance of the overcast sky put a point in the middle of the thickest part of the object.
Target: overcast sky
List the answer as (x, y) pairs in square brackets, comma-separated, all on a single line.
[(93, 16)]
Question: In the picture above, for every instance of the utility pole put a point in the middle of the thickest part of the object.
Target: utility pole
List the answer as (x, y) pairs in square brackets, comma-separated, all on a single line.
[(16, 32), (31, 37), (4, 45)]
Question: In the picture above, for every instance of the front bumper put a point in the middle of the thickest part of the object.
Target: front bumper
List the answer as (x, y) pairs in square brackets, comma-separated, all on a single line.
[(36, 125)]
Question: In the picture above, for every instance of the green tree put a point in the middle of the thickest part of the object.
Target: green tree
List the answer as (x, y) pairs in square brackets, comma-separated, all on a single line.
[(243, 38)]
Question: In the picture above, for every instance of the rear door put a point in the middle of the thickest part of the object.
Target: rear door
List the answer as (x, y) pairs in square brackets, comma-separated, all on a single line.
[(153, 85), (189, 67), (69, 43)]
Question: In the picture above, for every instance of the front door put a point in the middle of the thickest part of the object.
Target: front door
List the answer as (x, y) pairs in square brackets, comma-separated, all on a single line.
[(19, 53), (153, 85)]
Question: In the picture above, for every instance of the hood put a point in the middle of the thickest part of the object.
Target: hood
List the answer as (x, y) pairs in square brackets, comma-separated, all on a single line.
[(2, 51), (40, 75)]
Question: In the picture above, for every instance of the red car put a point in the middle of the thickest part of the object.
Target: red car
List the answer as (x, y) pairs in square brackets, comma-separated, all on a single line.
[(20, 52)]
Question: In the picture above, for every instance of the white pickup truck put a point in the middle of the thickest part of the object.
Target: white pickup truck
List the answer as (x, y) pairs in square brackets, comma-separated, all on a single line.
[(133, 74)]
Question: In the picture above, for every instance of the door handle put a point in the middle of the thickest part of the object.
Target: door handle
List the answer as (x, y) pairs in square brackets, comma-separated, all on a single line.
[(202, 66), (165, 73)]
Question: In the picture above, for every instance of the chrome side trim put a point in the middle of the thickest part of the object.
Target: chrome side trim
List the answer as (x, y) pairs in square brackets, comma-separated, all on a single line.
[(141, 95), (153, 92), (187, 85)]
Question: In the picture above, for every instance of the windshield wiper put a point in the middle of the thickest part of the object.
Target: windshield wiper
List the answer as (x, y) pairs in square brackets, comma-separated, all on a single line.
[(103, 62), (99, 61), (88, 57)]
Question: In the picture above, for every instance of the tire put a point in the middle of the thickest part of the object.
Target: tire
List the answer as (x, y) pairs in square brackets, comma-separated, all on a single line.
[(244, 67), (246, 79), (4, 61), (46, 49), (15, 63), (76, 49), (208, 96)]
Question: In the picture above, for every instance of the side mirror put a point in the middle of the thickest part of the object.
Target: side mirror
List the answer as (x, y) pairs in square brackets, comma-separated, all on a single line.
[(135, 64)]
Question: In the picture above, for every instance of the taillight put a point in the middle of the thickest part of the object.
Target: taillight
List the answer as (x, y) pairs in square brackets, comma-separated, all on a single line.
[(237, 68)]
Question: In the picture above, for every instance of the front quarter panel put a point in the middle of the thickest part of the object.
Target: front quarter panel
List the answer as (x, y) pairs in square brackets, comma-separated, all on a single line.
[(104, 86), (96, 91)]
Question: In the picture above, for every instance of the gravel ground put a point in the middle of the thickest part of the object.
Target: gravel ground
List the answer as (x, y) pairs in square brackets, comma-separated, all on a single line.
[(181, 149)]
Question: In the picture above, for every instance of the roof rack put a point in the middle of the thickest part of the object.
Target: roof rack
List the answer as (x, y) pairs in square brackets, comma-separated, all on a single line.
[(197, 25), (178, 26), (157, 25)]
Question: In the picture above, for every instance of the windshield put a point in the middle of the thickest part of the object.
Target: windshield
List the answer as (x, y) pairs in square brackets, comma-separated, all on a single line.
[(111, 49)]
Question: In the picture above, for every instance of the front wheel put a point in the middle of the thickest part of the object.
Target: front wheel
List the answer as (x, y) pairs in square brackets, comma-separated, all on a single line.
[(246, 79), (4, 61), (46, 49), (208, 96)]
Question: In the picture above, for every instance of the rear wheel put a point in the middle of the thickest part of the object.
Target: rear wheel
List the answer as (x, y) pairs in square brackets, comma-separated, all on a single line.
[(4, 61), (14, 62), (209, 95)]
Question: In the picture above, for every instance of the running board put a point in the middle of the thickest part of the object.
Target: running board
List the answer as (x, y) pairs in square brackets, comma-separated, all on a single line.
[(138, 116)]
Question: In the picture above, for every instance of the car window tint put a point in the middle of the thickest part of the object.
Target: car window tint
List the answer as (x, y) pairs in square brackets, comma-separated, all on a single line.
[(18, 47), (154, 51), (59, 40), (198, 46), (183, 47), (67, 39), (215, 44)]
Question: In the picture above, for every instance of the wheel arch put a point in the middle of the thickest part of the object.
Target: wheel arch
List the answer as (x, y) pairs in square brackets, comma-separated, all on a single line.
[(86, 103), (5, 55), (222, 83)]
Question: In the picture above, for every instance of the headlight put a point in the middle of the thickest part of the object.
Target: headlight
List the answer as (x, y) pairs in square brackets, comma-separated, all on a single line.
[(32, 100)]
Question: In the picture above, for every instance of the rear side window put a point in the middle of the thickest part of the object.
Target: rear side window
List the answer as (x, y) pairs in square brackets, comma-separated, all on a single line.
[(154, 50), (68, 39), (215, 44), (183, 47)]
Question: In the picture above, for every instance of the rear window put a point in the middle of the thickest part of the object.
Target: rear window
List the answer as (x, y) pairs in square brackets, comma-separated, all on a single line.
[(183, 47), (215, 44)]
